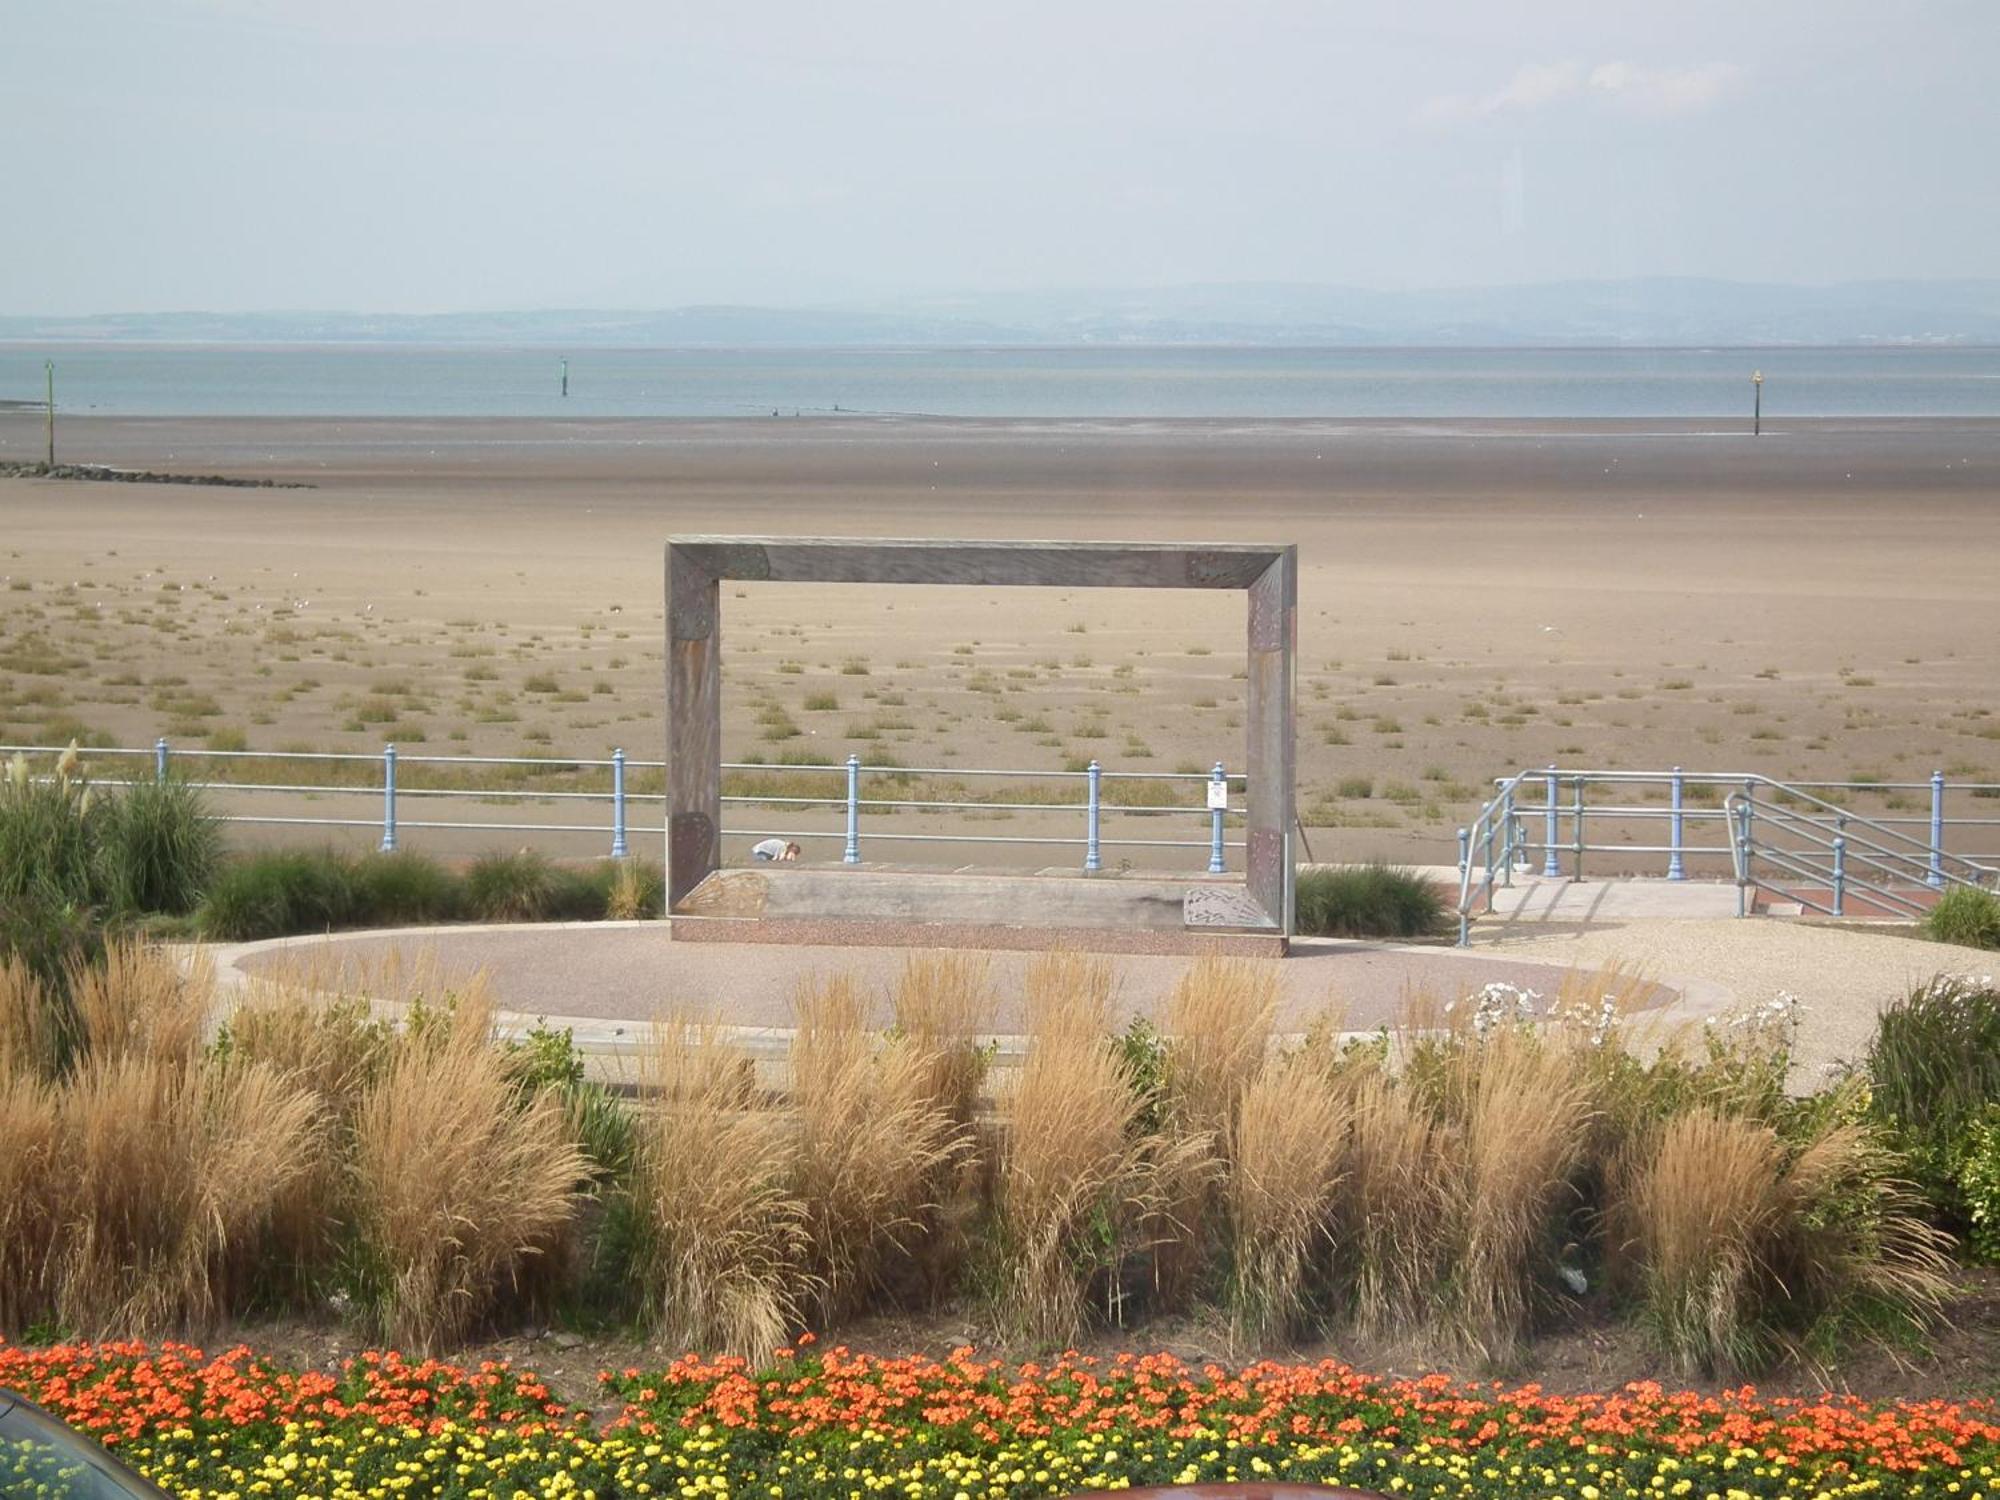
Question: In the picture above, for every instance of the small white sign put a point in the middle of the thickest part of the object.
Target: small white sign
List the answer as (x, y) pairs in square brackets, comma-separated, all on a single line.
[(1218, 796)]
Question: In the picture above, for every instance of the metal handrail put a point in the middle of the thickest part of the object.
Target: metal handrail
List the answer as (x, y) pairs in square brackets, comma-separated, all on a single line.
[(1215, 805), (1499, 842)]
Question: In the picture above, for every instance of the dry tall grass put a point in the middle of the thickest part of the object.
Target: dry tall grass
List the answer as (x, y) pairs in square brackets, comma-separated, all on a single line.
[(1736, 1239), (1067, 996), (945, 1003), (29, 1046), (1287, 1152), (873, 1142), (1392, 1206), (944, 1006), (1530, 1105), (458, 1184), (723, 1238), (167, 1177), (30, 1169), (1218, 1022), (1071, 1178), (138, 1003)]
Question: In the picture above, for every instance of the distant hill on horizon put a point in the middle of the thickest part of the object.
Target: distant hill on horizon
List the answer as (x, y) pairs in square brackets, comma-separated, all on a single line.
[(1639, 312)]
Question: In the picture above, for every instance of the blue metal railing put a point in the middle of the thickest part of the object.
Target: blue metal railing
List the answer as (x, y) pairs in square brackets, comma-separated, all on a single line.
[(1757, 818), (386, 778)]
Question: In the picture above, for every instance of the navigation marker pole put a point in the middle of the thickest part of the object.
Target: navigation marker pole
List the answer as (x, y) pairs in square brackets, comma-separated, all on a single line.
[(1757, 406), (49, 369)]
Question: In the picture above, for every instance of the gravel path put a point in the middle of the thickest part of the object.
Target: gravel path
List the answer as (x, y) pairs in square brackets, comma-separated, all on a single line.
[(615, 972), (1841, 975)]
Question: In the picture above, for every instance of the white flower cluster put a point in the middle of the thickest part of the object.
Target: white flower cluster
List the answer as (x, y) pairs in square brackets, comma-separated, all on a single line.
[(1777, 1017), (1499, 1003)]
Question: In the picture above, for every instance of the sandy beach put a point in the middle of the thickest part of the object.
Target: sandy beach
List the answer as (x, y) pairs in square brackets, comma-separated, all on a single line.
[(1819, 602)]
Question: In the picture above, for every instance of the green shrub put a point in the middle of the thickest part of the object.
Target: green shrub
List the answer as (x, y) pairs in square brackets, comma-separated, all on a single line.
[(1934, 1071), (637, 889), (279, 893), (1965, 915), (1367, 901), (52, 893), (1979, 1181), (405, 889), (160, 848), (527, 887)]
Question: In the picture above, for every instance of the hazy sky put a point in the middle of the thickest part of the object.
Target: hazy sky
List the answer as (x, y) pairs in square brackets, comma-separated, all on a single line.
[(408, 155)]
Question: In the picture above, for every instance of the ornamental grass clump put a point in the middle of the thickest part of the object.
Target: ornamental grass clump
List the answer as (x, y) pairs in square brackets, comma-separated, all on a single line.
[(160, 847), (460, 1185), (1965, 915), (873, 1142), (721, 1238), (168, 1173), (1367, 901), (1217, 1024), (1933, 1071), (1287, 1150), (1739, 1241)]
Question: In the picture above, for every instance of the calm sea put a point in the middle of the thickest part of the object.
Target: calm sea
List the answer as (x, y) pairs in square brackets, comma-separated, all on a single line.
[(401, 381)]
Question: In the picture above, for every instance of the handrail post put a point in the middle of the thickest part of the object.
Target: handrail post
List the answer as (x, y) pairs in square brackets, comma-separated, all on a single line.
[(1507, 823), (388, 799), (1676, 870), (1464, 884), (1749, 818), (1550, 868), (160, 758), (1741, 833), (851, 854), (1093, 858), (1576, 835), (1839, 875), (1936, 876), (1217, 778), (618, 848)]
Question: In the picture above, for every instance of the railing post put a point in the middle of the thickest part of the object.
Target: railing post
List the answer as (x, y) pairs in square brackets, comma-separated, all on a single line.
[(1507, 838), (1093, 858), (388, 799), (1839, 875), (1576, 835), (160, 758), (1464, 884), (1549, 866), (1749, 818), (1676, 870), (1936, 876), (618, 848), (851, 855), (1741, 833), (1216, 777)]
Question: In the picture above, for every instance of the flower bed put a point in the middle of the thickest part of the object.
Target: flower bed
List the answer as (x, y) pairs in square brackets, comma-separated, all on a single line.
[(839, 1424)]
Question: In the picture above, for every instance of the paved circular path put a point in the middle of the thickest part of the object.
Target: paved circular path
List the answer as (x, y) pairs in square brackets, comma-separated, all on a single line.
[(610, 976)]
